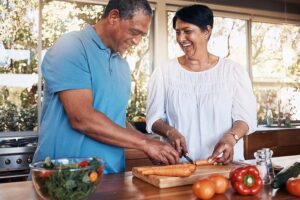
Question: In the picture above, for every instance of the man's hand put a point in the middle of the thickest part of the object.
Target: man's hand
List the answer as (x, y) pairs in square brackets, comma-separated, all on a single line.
[(160, 152), (223, 151), (177, 141)]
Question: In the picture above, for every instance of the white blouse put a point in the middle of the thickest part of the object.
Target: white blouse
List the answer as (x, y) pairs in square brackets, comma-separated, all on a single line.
[(202, 105)]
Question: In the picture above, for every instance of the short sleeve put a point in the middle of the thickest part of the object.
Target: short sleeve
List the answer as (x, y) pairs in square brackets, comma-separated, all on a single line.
[(156, 99), (244, 101), (65, 65)]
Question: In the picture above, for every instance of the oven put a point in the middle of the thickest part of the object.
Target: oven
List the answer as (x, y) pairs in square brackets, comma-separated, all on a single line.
[(16, 153)]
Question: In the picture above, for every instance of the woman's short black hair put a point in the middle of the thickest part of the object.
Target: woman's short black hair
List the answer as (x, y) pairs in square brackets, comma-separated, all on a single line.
[(127, 8), (199, 15)]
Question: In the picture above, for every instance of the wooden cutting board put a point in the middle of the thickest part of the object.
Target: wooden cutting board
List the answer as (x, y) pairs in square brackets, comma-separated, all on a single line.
[(167, 181)]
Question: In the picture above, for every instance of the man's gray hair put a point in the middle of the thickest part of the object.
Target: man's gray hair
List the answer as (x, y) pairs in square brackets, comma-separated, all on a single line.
[(128, 8)]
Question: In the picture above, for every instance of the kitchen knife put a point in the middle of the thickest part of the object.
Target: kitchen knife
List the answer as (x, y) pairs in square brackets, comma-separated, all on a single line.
[(188, 159)]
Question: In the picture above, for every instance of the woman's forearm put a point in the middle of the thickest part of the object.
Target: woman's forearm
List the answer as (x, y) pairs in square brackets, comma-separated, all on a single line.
[(162, 128)]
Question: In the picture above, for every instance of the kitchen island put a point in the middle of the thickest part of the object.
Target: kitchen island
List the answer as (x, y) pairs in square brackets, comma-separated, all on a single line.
[(125, 186)]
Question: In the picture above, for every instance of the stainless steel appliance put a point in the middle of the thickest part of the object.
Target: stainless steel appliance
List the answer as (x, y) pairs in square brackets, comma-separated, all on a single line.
[(16, 153)]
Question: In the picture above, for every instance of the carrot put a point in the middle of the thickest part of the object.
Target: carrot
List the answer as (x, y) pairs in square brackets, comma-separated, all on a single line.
[(192, 168), (202, 162), (183, 165), (179, 172)]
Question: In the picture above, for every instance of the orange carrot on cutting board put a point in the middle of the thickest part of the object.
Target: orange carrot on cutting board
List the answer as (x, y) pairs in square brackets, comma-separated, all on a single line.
[(163, 171), (191, 167), (202, 162)]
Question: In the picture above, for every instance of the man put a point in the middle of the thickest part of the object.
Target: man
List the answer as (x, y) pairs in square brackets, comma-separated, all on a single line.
[(87, 88)]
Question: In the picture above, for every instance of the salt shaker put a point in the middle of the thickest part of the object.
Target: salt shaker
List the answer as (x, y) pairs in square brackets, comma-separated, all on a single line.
[(263, 159)]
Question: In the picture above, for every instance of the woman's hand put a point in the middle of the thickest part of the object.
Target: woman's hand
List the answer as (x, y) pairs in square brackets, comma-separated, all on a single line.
[(177, 141), (223, 151)]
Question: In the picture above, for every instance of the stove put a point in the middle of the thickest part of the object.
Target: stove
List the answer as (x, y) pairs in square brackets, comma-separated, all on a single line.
[(16, 153)]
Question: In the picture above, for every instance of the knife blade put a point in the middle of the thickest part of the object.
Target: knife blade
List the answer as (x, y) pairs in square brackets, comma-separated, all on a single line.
[(188, 159)]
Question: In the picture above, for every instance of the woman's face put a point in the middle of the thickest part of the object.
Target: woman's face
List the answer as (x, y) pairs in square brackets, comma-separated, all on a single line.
[(190, 38)]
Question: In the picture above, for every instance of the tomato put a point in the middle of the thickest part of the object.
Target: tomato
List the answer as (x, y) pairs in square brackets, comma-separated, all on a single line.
[(93, 176), (293, 186), (83, 163), (45, 173), (221, 183), (100, 170), (204, 188)]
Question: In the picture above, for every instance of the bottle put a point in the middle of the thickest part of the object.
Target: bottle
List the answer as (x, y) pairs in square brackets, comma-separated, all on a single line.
[(269, 117)]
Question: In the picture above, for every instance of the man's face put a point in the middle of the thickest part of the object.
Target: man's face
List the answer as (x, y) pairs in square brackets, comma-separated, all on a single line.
[(129, 32)]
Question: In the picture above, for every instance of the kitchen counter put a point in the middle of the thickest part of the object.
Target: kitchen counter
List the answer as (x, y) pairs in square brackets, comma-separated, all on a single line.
[(124, 186)]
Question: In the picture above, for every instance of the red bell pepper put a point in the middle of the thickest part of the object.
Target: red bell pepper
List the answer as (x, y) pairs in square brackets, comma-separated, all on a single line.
[(246, 180)]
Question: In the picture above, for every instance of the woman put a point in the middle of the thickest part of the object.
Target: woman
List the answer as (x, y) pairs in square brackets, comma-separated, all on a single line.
[(201, 103)]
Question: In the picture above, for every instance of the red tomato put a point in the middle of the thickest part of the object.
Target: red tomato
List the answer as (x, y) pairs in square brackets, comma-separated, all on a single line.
[(293, 186), (100, 170), (220, 181), (45, 173), (204, 189), (83, 163)]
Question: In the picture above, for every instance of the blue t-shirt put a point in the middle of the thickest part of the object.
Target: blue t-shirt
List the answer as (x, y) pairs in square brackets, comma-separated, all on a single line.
[(80, 60)]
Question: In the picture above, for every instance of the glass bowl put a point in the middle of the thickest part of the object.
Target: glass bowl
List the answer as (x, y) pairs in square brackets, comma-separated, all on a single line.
[(66, 178)]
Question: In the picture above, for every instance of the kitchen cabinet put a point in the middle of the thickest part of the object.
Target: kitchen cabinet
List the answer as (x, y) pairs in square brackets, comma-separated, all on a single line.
[(135, 158), (283, 142)]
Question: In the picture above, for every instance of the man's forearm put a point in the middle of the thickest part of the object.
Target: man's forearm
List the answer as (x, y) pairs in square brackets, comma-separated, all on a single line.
[(99, 127)]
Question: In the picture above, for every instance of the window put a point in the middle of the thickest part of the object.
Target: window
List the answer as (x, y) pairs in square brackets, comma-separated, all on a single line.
[(18, 65), (275, 69), (140, 62)]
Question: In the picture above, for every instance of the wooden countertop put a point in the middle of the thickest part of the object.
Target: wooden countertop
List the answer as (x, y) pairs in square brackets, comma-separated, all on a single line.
[(124, 186)]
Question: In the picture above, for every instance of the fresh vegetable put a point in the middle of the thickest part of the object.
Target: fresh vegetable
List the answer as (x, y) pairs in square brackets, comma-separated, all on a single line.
[(83, 163), (48, 164), (45, 173), (220, 181), (93, 176), (246, 180), (72, 181), (191, 167), (100, 170), (293, 186), (282, 177), (176, 171), (202, 162), (204, 188)]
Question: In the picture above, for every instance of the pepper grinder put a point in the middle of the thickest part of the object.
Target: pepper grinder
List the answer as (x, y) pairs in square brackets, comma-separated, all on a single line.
[(264, 165)]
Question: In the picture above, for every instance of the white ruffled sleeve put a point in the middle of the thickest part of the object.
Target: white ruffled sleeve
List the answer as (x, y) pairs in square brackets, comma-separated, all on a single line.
[(244, 101), (156, 99)]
